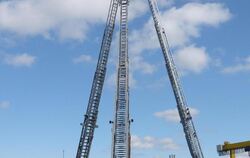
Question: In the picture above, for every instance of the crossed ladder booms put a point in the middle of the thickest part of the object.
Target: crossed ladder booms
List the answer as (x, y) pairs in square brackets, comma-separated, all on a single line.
[(121, 124)]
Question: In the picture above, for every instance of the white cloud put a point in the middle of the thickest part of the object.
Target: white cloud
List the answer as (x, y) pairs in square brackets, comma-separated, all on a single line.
[(139, 64), (83, 59), (186, 22), (182, 25), (192, 59), (20, 60), (4, 104), (140, 7), (172, 115), (137, 8), (149, 142), (168, 144), (242, 67), (143, 143), (68, 19), (237, 68)]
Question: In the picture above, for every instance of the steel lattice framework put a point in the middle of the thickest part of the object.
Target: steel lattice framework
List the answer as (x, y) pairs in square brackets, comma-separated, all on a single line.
[(121, 123)]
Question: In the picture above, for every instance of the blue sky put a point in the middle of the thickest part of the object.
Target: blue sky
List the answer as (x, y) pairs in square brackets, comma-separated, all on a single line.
[(48, 54)]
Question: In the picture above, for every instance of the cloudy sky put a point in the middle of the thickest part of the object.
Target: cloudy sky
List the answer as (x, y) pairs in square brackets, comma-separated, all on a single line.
[(48, 54)]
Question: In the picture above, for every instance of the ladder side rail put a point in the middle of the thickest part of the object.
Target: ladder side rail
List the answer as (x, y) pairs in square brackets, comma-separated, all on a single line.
[(186, 119), (89, 122)]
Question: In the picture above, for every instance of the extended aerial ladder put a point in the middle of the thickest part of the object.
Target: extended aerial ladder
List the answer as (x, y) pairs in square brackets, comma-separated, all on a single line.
[(89, 123), (121, 123), (184, 112), (233, 148)]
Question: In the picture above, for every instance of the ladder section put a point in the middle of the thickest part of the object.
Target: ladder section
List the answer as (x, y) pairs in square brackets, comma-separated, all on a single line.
[(121, 126), (186, 119), (89, 123)]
